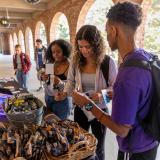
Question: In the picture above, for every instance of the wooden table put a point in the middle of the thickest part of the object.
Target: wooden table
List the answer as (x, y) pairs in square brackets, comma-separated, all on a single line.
[(11, 86)]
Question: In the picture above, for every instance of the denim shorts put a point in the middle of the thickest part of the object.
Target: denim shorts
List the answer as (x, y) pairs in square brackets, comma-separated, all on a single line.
[(61, 109)]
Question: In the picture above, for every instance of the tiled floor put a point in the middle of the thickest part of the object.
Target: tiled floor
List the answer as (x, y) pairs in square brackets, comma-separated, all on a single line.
[(6, 70)]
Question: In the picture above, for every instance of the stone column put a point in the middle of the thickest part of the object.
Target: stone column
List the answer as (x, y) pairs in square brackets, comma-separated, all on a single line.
[(141, 30), (4, 43)]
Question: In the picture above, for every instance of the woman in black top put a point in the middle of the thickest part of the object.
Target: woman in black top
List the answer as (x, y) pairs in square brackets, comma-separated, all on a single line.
[(58, 53)]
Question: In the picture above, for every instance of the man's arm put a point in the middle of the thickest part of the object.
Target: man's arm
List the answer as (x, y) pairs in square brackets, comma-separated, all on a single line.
[(105, 119), (28, 62), (14, 62), (35, 55)]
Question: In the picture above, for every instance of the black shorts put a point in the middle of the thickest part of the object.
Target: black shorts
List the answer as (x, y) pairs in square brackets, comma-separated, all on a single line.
[(147, 155)]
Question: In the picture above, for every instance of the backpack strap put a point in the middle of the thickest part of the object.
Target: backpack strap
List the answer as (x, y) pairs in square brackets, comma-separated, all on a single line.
[(137, 63), (140, 64), (105, 68)]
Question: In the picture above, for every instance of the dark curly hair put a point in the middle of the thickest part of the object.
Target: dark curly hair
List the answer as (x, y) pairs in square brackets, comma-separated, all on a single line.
[(91, 34), (39, 40), (64, 45), (126, 13)]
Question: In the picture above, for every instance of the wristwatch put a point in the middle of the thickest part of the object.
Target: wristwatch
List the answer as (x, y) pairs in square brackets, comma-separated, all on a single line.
[(89, 106)]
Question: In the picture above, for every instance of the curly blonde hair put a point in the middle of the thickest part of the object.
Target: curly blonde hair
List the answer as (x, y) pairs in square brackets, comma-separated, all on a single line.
[(91, 34)]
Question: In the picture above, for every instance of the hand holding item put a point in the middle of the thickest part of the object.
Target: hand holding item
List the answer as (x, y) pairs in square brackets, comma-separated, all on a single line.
[(60, 96), (80, 99), (44, 77), (97, 97), (106, 96), (110, 94), (49, 68), (55, 80)]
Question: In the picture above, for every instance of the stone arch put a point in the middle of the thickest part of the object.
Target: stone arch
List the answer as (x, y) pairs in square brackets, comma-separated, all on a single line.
[(56, 25), (21, 40), (40, 32), (29, 42), (11, 44), (94, 13), (83, 13)]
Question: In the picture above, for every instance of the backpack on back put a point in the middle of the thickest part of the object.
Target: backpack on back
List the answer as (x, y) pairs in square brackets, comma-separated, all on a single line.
[(151, 123), (105, 68)]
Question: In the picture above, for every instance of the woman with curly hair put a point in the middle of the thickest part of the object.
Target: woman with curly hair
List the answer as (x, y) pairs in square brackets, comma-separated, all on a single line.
[(86, 76), (57, 54)]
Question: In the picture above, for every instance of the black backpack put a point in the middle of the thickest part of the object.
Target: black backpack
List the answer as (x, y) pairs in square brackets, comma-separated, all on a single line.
[(151, 123), (105, 68)]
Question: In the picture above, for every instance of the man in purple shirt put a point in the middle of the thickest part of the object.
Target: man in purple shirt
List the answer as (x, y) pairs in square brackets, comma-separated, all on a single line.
[(132, 90)]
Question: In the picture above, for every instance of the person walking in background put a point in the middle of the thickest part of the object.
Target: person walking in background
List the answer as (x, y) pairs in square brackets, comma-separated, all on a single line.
[(85, 75), (133, 89), (22, 65), (40, 59), (57, 54)]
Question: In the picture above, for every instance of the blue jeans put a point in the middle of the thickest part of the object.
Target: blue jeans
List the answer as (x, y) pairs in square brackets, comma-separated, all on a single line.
[(59, 108), (22, 78)]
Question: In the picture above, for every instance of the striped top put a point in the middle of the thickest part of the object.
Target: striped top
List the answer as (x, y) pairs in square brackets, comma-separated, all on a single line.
[(88, 82)]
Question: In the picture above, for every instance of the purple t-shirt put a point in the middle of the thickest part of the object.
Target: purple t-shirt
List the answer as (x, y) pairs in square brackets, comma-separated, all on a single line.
[(132, 90)]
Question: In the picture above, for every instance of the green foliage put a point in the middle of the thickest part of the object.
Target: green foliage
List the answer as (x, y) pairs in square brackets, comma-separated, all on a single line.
[(43, 34), (62, 28), (63, 31), (97, 16), (152, 31)]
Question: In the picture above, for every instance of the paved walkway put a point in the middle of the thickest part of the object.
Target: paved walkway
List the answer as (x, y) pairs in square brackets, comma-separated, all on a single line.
[(6, 70)]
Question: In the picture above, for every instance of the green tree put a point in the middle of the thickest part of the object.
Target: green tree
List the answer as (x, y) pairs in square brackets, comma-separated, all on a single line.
[(97, 16), (152, 31), (43, 35), (63, 31)]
